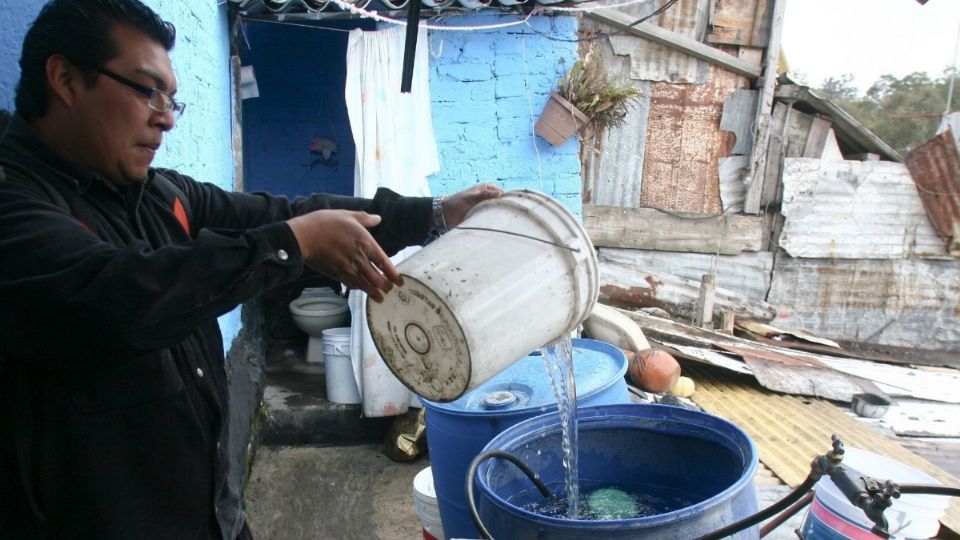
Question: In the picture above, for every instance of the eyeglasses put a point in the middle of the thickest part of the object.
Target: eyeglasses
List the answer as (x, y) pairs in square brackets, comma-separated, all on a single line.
[(158, 100)]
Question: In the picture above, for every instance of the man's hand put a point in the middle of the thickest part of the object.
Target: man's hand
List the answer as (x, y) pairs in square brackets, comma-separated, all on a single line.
[(456, 206), (337, 243)]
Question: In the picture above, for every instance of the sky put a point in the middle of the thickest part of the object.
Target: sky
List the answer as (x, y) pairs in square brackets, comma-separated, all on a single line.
[(869, 38)]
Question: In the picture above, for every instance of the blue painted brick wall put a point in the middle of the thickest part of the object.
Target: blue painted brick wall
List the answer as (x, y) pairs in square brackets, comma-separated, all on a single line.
[(487, 89), (200, 144)]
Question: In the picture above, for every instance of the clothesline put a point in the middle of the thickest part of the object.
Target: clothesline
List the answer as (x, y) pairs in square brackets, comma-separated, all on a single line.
[(586, 7)]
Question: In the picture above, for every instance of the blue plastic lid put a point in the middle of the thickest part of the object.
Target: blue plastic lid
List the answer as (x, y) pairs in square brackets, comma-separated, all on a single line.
[(525, 385)]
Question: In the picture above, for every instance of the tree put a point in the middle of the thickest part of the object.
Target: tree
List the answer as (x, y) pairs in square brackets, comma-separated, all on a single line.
[(904, 112)]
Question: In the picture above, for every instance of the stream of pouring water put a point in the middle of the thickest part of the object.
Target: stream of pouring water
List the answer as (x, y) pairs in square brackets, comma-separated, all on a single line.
[(558, 359)]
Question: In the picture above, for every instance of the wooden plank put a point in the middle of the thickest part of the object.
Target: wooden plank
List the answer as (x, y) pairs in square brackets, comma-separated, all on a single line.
[(694, 48), (740, 22), (704, 309), (649, 228), (758, 157), (776, 148), (625, 286), (817, 137)]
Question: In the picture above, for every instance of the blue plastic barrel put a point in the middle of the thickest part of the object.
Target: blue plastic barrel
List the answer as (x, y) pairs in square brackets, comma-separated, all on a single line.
[(457, 431), (666, 453)]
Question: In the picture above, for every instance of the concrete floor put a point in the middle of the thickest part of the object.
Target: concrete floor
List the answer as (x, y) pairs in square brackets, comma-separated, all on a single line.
[(355, 492), (335, 493)]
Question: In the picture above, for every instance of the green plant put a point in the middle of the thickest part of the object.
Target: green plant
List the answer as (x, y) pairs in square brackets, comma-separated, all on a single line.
[(590, 87)]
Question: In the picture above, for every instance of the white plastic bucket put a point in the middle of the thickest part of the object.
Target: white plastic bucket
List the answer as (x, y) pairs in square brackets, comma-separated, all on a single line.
[(518, 273), (425, 502), (911, 516), (341, 383)]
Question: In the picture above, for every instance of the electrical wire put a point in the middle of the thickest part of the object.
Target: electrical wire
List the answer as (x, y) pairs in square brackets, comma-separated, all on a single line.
[(367, 14)]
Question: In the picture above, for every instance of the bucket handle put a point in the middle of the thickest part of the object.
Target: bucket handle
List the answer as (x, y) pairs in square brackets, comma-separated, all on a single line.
[(472, 471), (521, 235)]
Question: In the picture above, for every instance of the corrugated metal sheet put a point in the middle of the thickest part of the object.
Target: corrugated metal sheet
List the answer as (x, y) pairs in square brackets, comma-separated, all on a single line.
[(612, 166), (685, 142), (654, 62), (741, 22), (629, 287), (790, 431), (747, 274), (854, 210), (935, 167), (900, 302), (732, 170)]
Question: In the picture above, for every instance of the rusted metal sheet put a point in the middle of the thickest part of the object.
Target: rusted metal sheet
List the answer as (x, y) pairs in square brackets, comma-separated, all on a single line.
[(935, 168), (747, 274), (685, 143), (612, 161), (740, 22), (627, 287), (654, 62), (853, 210), (899, 302), (791, 374)]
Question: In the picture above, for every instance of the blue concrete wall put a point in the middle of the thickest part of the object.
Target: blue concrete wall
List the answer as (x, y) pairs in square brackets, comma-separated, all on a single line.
[(487, 89), (200, 144), (301, 72)]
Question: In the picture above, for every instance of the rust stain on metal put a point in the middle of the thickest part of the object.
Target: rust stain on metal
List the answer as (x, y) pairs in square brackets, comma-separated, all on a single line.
[(935, 168), (632, 297), (685, 143)]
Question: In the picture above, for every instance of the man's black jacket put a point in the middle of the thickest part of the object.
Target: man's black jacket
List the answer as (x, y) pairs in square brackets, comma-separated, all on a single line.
[(113, 393)]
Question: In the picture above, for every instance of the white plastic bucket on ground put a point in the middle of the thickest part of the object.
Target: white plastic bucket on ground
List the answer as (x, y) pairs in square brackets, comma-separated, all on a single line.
[(341, 383), (425, 501), (518, 273), (911, 516)]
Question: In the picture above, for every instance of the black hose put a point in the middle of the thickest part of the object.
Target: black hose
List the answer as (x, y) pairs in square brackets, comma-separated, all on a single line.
[(929, 489), (472, 471), (764, 514)]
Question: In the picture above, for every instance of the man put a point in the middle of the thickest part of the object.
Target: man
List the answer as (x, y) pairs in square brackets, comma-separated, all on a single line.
[(113, 395)]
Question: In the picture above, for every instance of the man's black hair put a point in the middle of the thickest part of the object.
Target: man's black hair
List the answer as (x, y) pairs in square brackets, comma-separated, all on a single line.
[(81, 30)]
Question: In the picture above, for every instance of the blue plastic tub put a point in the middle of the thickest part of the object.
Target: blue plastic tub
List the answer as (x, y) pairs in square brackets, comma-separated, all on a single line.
[(458, 431), (666, 453)]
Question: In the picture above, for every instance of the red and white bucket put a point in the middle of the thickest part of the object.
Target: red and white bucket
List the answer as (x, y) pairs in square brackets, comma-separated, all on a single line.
[(425, 500)]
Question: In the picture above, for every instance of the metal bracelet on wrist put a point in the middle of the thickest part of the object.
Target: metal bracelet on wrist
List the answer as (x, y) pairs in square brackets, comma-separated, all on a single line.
[(438, 221)]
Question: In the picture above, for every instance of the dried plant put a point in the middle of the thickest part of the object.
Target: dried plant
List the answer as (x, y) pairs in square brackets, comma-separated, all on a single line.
[(591, 89)]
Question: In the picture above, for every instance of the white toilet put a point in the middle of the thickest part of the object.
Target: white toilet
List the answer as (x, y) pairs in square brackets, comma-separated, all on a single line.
[(315, 311)]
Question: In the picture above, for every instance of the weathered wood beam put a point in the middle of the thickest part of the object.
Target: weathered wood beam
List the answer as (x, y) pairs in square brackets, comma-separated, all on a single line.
[(626, 286), (649, 228), (676, 41), (758, 158)]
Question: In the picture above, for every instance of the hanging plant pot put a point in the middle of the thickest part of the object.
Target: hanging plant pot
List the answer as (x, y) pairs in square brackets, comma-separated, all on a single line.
[(559, 120)]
